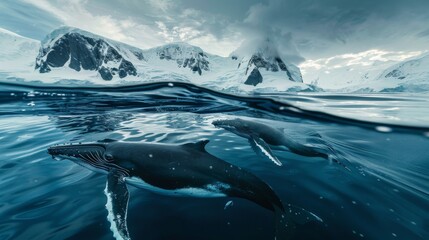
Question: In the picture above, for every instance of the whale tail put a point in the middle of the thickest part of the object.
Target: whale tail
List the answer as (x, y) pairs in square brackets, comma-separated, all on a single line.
[(288, 221)]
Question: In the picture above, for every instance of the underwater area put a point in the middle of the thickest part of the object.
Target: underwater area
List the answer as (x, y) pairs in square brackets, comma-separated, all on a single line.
[(379, 191)]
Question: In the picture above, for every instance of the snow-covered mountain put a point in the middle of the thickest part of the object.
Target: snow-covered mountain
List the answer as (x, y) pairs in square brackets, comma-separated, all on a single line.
[(410, 75), (81, 50), (183, 54), (17, 52), (264, 61), (70, 55)]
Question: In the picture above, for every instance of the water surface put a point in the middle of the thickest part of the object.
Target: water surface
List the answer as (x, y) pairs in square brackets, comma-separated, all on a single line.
[(384, 196)]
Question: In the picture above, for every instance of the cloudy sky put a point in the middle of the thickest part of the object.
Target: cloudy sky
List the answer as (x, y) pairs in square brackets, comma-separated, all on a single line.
[(312, 32)]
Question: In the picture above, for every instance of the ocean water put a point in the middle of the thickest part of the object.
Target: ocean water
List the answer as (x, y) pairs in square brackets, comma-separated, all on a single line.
[(385, 195)]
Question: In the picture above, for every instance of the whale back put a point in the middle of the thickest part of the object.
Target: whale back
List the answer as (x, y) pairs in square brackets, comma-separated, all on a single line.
[(189, 165), (200, 145)]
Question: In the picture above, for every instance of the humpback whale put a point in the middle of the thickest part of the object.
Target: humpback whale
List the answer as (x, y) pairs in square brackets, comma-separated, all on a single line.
[(262, 136), (178, 170)]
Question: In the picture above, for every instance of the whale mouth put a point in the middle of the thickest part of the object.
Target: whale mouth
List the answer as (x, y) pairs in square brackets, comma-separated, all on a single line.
[(90, 155), (75, 149), (227, 125), (223, 124)]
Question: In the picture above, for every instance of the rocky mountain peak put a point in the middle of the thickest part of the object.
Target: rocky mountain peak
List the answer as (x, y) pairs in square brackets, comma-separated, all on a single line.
[(80, 50), (263, 55), (185, 55)]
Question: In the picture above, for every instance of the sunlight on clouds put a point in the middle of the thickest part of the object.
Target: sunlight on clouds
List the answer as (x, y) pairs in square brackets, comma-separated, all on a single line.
[(221, 47), (188, 26), (73, 13), (351, 68), (366, 58), (176, 33), (162, 5), (164, 32), (206, 41)]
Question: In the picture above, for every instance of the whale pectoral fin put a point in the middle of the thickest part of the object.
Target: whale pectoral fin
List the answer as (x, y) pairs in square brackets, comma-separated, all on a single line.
[(262, 149), (117, 204)]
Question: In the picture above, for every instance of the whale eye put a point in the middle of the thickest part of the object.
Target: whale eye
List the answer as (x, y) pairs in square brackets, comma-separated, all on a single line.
[(108, 157)]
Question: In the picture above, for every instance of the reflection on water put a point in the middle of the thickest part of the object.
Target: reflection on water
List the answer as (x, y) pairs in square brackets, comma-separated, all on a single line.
[(384, 196), (104, 122)]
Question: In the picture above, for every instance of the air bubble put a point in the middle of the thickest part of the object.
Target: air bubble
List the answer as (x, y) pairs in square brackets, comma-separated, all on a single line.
[(383, 129), (228, 204)]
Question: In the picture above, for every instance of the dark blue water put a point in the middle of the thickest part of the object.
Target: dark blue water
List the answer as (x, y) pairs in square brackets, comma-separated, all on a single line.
[(384, 196)]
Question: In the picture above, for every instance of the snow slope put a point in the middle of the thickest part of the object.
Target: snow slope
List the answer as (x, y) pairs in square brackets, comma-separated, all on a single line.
[(374, 70), (17, 52), (80, 50), (411, 75), (262, 57), (70, 55), (73, 56)]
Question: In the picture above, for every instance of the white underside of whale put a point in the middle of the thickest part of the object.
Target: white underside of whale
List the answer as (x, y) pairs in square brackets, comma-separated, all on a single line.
[(209, 190)]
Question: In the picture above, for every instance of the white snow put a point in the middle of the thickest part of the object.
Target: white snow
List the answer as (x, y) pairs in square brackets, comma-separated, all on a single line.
[(17, 62), (17, 53), (224, 73), (407, 76), (367, 71)]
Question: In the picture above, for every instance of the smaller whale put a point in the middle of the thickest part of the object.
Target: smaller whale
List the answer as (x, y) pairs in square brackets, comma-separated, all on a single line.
[(176, 170), (262, 136)]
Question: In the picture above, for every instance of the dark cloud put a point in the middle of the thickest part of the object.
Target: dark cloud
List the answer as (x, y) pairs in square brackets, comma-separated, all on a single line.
[(314, 28), (335, 26)]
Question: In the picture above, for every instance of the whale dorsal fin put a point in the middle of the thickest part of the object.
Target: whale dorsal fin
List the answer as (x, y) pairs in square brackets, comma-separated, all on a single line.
[(107, 140), (200, 145)]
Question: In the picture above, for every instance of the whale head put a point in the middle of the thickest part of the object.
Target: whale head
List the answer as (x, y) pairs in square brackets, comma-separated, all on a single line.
[(94, 156), (236, 126)]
